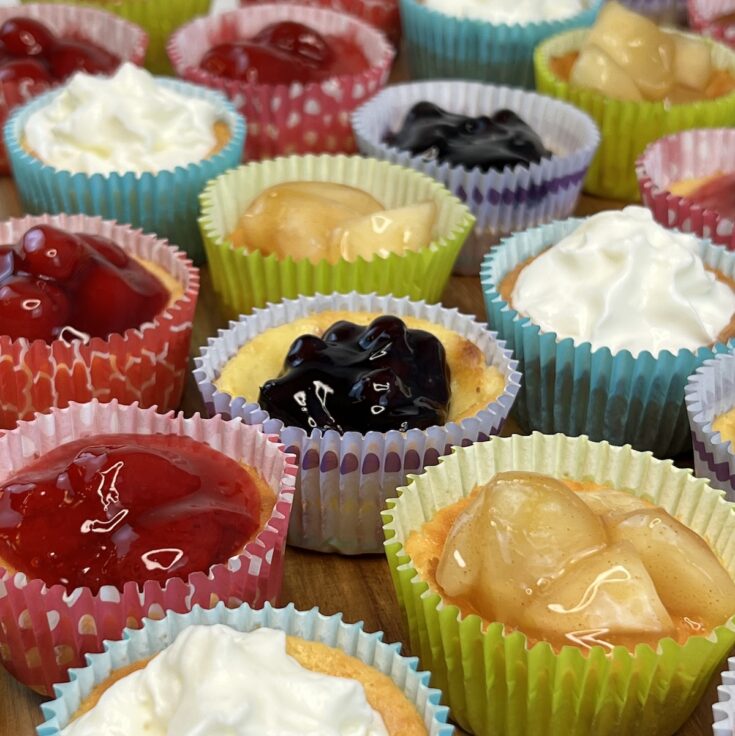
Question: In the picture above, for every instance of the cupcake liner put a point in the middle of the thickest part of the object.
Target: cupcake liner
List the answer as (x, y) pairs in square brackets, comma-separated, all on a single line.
[(497, 683), (309, 625), (704, 13), (669, 12), (46, 630), (628, 127), (687, 155), (115, 35), (723, 711), (244, 280), (165, 203), (573, 389), (293, 118), (343, 480), (711, 392), (159, 18), (381, 14), (443, 46), (146, 364), (516, 198)]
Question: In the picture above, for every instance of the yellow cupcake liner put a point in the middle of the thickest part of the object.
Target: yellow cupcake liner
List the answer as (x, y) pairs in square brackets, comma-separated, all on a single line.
[(495, 683), (628, 127), (244, 280)]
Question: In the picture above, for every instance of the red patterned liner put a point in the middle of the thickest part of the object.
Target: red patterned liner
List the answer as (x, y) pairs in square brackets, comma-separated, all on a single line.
[(147, 364), (685, 155), (703, 13), (119, 36), (45, 630), (287, 119), (381, 14)]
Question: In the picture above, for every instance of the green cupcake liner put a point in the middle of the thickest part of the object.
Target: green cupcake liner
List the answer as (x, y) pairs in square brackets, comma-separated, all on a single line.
[(496, 683), (159, 18), (244, 280), (628, 127)]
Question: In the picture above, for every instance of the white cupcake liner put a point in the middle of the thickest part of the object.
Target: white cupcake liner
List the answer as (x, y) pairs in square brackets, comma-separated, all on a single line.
[(703, 13), (502, 201), (724, 709), (344, 480), (710, 392), (309, 625)]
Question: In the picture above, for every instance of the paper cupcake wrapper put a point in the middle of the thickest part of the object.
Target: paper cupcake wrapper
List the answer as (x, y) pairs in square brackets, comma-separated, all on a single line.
[(495, 683), (573, 389), (703, 13), (628, 127), (47, 630), (711, 392), (516, 198), (118, 36), (381, 14), (155, 636), (343, 480), (686, 155), (244, 280), (287, 119), (165, 203), (146, 364), (448, 47), (668, 12), (724, 709)]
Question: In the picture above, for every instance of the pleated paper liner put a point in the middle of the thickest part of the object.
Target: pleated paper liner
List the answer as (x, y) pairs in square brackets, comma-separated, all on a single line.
[(703, 15), (495, 682), (165, 202), (244, 280), (159, 18), (343, 480), (710, 392), (47, 630), (687, 155), (442, 46), (103, 29), (628, 127), (382, 14), (146, 364), (573, 389), (516, 198), (724, 709), (311, 625), (287, 119)]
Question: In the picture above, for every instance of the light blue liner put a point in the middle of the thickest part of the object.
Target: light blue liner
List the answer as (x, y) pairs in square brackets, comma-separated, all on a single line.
[(165, 203), (444, 46), (574, 390), (311, 625)]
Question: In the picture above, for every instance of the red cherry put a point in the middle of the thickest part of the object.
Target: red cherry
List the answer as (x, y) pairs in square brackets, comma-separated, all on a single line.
[(32, 308), (7, 261), (297, 40), (255, 64), (68, 57), (24, 71), (48, 251), (26, 37), (107, 249), (349, 58)]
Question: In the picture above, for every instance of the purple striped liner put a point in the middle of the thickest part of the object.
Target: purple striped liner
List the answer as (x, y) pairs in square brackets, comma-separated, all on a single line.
[(724, 709), (710, 392), (505, 201)]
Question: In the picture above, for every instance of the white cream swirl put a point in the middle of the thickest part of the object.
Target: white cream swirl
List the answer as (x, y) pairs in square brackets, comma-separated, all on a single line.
[(215, 681), (126, 122), (622, 281), (503, 11)]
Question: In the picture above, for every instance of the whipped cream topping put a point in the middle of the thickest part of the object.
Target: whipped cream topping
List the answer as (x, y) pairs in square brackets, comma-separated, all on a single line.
[(622, 281), (126, 122), (216, 681), (502, 11)]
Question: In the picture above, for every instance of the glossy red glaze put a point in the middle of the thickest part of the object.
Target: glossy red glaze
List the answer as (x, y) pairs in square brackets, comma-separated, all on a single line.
[(283, 53), (25, 37), (109, 509), (53, 279), (68, 57), (718, 195), (24, 70)]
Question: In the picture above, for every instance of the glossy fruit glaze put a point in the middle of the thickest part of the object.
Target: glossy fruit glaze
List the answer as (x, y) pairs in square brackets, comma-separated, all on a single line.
[(113, 508), (283, 53), (55, 283), (717, 194), (29, 50), (380, 377)]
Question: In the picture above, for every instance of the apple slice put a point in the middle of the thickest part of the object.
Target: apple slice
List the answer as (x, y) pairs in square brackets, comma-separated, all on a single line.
[(594, 69), (692, 63)]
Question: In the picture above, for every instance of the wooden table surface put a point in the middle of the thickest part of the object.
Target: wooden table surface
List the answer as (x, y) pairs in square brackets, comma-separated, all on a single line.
[(360, 587)]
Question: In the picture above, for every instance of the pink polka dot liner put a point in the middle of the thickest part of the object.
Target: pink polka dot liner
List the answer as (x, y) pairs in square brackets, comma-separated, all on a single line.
[(344, 480), (46, 630), (287, 119)]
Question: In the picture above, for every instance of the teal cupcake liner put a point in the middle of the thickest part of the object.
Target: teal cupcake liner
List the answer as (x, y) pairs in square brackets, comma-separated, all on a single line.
[(573, 389), (165, 203), (448, 47), (310, 625)]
